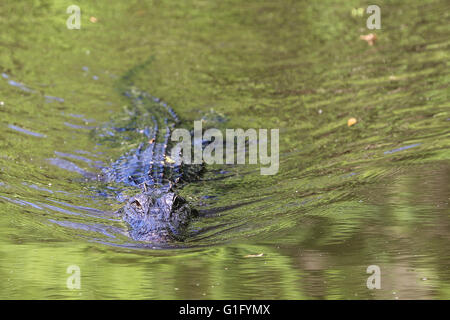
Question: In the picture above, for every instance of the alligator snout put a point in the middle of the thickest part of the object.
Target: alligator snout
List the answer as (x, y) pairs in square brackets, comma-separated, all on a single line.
[(157, 216)]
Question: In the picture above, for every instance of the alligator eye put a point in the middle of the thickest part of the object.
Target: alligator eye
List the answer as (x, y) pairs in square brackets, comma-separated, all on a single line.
[(137, 205), (177, 202)]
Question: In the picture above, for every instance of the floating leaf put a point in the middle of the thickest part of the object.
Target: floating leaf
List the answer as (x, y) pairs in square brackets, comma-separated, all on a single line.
[(169, 160), (254, 255), (351, 121), (370, 38)]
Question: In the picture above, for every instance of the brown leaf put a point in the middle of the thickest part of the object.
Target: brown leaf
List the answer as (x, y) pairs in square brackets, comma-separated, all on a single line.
[(370, 38)]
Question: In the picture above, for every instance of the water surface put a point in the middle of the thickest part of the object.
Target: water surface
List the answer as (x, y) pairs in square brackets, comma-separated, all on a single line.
[(375, 193)]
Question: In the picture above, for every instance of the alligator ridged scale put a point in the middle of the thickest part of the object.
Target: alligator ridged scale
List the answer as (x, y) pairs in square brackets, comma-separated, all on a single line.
[(157, 213)]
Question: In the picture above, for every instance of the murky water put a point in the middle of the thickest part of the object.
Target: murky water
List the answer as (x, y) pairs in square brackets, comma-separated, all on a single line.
[(345, 198)]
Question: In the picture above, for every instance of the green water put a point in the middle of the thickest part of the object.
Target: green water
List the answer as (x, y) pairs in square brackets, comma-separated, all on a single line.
[(343, 199)]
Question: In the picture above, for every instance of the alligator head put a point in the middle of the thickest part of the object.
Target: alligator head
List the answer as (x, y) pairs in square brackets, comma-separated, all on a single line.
[(157, 216)]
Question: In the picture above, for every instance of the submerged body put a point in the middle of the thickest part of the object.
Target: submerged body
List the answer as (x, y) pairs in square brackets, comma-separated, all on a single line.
[(157, 213)]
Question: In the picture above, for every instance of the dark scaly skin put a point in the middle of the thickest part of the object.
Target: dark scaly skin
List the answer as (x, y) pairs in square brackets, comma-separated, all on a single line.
[(156, 214)]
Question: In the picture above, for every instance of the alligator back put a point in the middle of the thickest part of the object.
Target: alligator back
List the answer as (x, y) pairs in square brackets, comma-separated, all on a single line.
[(156, 213), (149, 121)]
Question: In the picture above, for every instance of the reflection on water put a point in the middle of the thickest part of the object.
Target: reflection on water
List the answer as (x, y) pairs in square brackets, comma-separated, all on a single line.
[(345, 198)]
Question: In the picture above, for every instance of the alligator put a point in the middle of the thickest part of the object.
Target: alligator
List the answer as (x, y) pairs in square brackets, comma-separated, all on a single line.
[(157, 213)]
